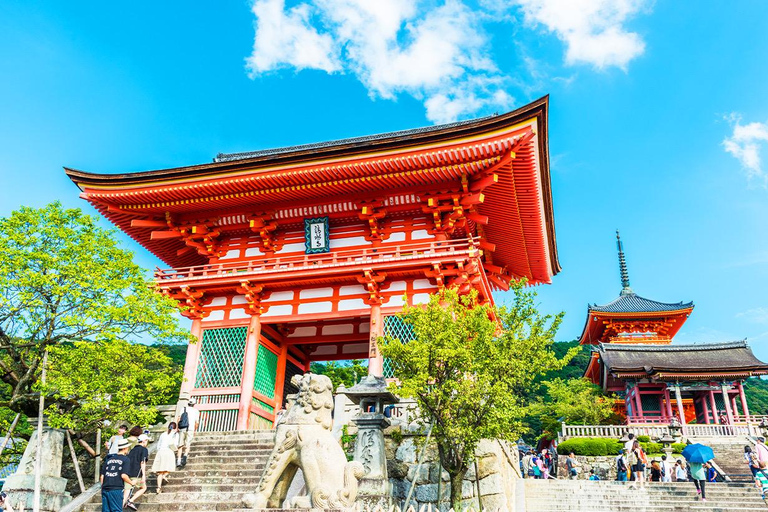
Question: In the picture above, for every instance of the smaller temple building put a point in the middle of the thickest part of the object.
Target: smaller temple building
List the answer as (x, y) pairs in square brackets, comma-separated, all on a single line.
[(659, 382)]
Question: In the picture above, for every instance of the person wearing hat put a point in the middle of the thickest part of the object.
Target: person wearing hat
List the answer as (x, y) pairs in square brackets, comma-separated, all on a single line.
[(138, 456), (189, 420), (114, 476)]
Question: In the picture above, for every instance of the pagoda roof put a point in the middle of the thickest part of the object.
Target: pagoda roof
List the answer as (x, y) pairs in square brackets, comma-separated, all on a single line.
[(506, 156), (662, 362), (633, 303)]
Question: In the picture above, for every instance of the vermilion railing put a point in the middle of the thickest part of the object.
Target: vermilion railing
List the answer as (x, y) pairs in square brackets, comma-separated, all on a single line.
[(353, 257)]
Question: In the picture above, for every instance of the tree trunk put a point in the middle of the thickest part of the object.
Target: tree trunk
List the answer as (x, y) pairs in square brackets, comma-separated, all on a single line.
[(457, 481)]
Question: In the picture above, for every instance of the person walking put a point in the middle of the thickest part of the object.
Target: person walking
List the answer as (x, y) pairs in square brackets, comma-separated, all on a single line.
[(528, 465), (699, 477), (113, 441), (762, 453), (750, 457), (711, 472), (189, 421), (547, 459), (681, 475), (571, 466), (138, 456), (621, 466), (666, 469), (630, 443), (655, 471), (114, 476), (165, 459), (639, 460)]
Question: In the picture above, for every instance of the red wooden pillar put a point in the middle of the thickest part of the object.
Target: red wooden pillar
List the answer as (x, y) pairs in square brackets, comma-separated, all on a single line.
[(713, 404), (249, 372), (743, 397), (375, 360), (668, 402), (193, 356), (638, 404), (706, 409), (282, 360), (728, 410)]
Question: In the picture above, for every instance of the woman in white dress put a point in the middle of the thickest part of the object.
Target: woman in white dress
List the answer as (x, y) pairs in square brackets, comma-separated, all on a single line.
[(165, 458)]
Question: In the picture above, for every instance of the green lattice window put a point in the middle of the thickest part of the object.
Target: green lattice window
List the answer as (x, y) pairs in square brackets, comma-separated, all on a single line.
[(266, 372), (221, 358), (395, 327), (651, 404)]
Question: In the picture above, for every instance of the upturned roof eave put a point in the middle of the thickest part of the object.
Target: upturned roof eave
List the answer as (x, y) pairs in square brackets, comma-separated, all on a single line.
[(331, 149)]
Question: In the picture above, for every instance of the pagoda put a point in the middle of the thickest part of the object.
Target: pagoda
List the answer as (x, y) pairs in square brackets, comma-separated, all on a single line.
[(287, 256), (657, 381)]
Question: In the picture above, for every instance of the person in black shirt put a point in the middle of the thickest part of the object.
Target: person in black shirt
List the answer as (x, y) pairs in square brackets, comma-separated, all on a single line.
[(138, 457), (114, 475)]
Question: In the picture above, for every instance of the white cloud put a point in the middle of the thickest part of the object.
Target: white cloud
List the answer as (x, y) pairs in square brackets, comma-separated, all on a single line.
[(286, 39), (745, 143), (755, 315), (592, 30), (436, 51)]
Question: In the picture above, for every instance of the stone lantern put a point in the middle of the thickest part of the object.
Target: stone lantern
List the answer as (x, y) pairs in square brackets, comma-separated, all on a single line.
[(675, 428), (667, 441), (764, 426), (372, 395)]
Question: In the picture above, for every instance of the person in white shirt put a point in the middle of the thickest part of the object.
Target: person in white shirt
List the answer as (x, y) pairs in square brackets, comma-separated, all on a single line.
[(115, 439), (188, 422), (630, 444), (666, 469)]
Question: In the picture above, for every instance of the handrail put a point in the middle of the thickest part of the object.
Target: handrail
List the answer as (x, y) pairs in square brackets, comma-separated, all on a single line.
[(260, 264)]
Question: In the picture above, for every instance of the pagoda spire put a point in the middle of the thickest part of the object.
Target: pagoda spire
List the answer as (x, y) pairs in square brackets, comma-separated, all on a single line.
[(625, 289)]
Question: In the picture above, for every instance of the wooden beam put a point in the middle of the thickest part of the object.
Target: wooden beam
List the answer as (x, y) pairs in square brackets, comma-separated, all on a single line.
[(162, 235), (147, 223)]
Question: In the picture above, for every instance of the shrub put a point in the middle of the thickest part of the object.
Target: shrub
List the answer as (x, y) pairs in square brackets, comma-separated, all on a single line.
[(643, 439), (678, 447), (590, 446), (652, 447)]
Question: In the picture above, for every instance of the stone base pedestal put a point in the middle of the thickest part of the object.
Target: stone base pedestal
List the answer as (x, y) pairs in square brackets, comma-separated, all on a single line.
[(20, 486), (374, 488)]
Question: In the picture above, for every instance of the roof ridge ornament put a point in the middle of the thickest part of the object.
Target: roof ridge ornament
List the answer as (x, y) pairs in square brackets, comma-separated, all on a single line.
[(625, 289)]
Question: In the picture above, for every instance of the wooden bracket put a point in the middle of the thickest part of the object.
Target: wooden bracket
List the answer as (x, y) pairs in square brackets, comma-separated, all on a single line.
[(373, 284), (373, 212), (202, 237), (265, 226), (254, 294), (192, 300)]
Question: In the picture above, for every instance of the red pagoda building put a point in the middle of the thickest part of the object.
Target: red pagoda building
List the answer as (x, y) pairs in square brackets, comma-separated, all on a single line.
[(633, 357), (287, 256)]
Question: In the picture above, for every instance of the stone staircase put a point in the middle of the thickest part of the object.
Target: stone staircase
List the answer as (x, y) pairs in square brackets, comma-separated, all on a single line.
[(729, 456), (222, 466), (588, 496)]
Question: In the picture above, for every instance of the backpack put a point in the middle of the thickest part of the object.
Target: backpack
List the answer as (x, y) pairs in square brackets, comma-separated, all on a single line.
[(620, 465), (184, 420), (643, 457)]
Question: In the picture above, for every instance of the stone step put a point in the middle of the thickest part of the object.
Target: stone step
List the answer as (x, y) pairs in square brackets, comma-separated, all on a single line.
[(196, 462), (211, 473), (231, 447), (197, 452), (180, 506)]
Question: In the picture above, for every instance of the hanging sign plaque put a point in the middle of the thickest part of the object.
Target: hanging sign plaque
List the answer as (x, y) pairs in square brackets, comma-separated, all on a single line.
[(316, 236)]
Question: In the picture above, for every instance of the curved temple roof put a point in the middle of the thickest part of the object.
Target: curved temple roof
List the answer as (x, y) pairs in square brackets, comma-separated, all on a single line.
[(679, 360), (633, 303), (513, 145)]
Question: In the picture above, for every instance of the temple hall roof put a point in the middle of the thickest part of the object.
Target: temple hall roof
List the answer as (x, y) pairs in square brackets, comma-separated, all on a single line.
[(633, 303), (679, 361)]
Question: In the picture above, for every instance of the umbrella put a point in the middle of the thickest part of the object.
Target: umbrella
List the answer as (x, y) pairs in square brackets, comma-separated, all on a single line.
[(698, 453)]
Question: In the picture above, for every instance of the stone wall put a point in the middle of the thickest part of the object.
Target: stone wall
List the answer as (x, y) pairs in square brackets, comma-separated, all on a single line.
[(605, 467), (493, 481)]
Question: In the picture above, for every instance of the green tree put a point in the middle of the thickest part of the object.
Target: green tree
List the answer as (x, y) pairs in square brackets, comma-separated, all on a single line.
[(469, 367), (575, 402), (64, 279), (347, 373), (756, 391), (114, 380)]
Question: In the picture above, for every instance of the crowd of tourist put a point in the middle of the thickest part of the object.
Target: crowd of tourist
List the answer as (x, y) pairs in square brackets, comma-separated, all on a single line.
[(124, 472), (632, 465)]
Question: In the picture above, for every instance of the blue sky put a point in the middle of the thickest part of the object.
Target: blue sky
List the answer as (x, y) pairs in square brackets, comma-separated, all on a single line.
[(659, 115)]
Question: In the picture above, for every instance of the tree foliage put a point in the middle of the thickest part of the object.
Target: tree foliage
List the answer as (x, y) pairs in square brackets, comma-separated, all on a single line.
[(95, 382), (469, 367), (575, 402), (756, 391), (65, 279), (347, 373)]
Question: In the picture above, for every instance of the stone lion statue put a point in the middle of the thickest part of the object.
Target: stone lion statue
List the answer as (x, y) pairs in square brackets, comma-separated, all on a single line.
[(304, 440)]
